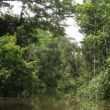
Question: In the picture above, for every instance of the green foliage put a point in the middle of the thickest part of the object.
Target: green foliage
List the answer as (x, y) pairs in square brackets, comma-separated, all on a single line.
[(66, 85), (8, 24), (40, 58), (94, 89), (26, 35), (93, 18), (56, 58), (17, 75), (98, 87)]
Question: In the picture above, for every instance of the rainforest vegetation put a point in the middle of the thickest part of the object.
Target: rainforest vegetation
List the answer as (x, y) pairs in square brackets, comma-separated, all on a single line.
[(37, 57)]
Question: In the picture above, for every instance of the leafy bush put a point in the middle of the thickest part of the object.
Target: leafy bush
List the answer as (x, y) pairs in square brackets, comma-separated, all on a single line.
[(17, 75), (66, 86), (98, 87)]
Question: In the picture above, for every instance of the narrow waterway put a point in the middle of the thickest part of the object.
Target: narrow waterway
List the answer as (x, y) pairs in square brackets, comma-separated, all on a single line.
[(51, 103)]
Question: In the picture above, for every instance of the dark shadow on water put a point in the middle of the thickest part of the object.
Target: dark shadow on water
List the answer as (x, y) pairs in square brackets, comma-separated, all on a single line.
[(14, 104), (15, 107)]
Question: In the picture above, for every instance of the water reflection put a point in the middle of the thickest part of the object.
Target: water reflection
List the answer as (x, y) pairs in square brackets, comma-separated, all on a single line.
[(14, 104), (51, 103)]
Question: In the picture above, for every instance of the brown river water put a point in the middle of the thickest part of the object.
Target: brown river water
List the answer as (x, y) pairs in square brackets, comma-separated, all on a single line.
[(51, 103)]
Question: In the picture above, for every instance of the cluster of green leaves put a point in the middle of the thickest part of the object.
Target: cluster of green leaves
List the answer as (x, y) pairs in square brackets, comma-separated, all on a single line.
[(34, 60), (39, 57), (93, 18), (98, 87), (35, 54), (17, 76)]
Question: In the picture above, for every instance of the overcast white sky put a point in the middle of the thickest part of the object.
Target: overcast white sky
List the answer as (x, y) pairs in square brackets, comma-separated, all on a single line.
[(72, 31)]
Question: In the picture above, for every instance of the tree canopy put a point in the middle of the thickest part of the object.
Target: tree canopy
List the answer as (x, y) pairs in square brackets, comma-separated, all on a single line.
[(36, 56)]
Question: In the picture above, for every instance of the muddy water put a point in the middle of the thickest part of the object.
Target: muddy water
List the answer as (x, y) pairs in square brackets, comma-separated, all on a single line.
[(51, 103)]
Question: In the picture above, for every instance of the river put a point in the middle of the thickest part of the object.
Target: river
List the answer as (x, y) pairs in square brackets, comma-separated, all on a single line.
[(51, 103)]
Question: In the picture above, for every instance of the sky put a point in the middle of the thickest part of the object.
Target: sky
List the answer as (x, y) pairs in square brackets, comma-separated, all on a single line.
[(72, 30)]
